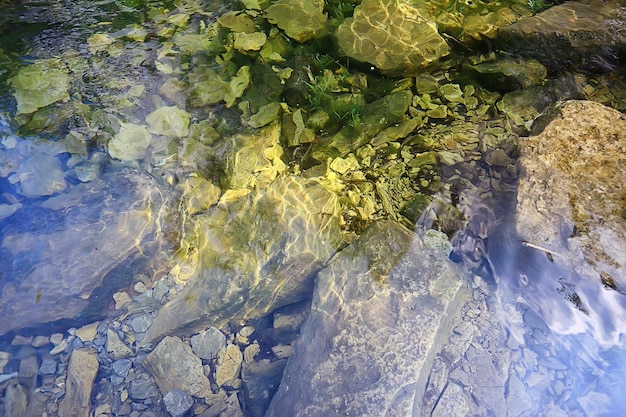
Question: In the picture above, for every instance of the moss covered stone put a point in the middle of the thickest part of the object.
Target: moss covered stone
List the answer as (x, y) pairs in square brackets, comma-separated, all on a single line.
[(396, 37)]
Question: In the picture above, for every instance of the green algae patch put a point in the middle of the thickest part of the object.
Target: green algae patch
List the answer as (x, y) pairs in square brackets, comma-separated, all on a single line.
[(302, 20), (39, 85), (169, 121), (131, 142), (397, 38)]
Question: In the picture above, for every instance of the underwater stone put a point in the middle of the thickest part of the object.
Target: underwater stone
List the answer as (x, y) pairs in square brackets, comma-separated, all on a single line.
[(255, 254), (174, 365), (39, 85), (384, 303), (396, 37), (81, 373), (585, 33), (208, 343), (131, 142), (302, 20), (177, 402), (65, 256)]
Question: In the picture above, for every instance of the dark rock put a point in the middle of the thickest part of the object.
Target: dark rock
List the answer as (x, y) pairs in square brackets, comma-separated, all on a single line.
[(177, 402), (261, 380), (586, 33), (141, 389), (379, 315)]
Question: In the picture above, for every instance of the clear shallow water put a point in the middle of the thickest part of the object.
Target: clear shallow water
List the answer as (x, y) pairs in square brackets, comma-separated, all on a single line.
[(572, 361)]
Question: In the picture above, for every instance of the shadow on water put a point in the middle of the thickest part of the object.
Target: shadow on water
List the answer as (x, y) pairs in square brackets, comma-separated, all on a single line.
[(582, 321)]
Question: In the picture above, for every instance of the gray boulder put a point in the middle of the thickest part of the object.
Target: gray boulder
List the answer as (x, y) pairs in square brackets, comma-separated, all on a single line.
[(254, 255), (381, 311)]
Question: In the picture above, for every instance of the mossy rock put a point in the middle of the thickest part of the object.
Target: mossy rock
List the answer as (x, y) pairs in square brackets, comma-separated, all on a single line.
[(397, 38)]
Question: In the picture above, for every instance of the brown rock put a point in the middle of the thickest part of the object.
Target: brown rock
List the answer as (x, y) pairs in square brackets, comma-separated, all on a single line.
[(81, 373)]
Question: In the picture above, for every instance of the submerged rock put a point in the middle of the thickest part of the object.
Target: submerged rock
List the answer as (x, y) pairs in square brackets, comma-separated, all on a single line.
[(379, 315), (586, 33), (571, 203), (175, 366), (63, 258), (81, 373), (301, 20), (396, 37), (254, 255)]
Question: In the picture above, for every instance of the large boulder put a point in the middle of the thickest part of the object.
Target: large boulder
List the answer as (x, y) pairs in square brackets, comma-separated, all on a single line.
[(571, 204), (253, 255), (381, 311), (588, 32), (396, 37), (63, 257)]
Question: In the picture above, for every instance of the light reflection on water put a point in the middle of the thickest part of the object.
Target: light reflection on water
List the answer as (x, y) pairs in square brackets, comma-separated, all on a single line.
[(573, 326)]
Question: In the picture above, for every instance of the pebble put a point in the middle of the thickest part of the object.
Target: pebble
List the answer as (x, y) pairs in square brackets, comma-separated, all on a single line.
[(88, 332), (141, 389), (177, 402), (39, 341), (59, 348), (115, 347), (208, 343), (121, 367), (140, 323), (48, 367), (228, 365), (140, 287)]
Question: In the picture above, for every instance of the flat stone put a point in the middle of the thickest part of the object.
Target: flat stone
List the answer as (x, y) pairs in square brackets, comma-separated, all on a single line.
[(208, 343), (81, 373), (88, 332), (379, 315), (177, 402), (228, 365), (115, 347), (279, 236), (121, 367), (48, 367), (140, 323), (174, 365), (395, 36), (301, 20)]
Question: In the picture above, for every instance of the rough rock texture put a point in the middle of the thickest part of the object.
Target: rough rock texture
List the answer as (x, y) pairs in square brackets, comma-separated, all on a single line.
[(81, 373), (255, 255), (63, 257), (380, 313), (393, 35), (173, 365), (301, 20), (571, 200), (585, 31)]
